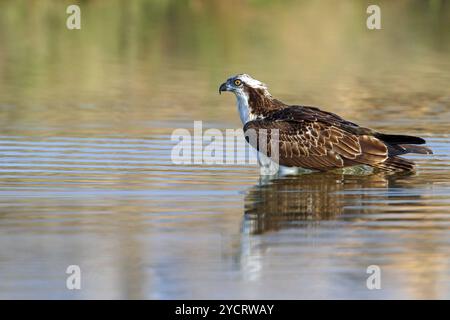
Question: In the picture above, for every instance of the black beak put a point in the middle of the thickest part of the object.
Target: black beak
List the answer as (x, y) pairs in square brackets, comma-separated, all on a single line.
[(223, 87)]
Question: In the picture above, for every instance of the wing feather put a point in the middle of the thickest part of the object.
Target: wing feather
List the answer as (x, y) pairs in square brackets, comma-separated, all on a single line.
[(318, 140), (300, 148)]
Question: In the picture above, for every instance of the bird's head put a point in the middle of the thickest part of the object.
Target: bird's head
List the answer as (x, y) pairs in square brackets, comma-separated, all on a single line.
[(241, 84), (253, 99)]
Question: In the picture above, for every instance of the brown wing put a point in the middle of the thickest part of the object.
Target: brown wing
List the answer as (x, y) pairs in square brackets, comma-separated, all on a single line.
[(316, 144), (303, 113), (313, 114)]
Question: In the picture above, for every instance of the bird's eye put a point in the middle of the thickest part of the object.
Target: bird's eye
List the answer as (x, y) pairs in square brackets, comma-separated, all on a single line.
[(237, 82)]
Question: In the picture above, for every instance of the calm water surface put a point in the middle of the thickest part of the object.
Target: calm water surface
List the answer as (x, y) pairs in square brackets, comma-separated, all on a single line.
[(86, 176)]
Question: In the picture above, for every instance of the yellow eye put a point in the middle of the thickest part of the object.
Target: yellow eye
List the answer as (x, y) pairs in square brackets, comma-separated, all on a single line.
[(237, 82)]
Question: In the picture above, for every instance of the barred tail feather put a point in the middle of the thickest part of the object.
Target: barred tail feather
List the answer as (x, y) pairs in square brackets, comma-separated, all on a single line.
[(416, 149), (396, 164)]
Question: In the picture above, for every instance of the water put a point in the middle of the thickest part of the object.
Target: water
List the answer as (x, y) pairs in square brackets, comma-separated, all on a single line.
[(86, 176)]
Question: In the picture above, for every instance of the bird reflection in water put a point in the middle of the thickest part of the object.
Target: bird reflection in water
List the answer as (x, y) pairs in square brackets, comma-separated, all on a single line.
[(293, 201)]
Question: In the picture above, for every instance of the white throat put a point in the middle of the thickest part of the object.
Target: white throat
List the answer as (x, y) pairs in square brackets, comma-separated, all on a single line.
[(244, 110)]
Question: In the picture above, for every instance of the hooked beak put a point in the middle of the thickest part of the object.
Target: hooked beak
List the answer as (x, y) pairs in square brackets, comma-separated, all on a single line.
[(223, 87)]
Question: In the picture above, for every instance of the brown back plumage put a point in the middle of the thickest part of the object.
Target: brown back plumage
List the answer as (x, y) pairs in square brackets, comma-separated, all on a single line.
[(315, 139)]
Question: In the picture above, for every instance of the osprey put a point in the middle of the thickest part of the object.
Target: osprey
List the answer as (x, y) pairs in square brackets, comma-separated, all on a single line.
[(314, 139)]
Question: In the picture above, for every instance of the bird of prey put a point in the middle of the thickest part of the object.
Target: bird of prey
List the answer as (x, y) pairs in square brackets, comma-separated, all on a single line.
[(314, 139)]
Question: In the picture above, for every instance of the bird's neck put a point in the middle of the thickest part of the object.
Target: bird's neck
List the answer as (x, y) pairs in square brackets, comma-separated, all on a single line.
[(257, 104)]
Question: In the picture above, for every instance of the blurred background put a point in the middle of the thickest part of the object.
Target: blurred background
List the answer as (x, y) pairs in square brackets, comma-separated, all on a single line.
[(85, 171), (137, 60)]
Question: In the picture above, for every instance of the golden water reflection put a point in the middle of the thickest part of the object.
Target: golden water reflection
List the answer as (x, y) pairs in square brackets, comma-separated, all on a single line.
[(86, 177)]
